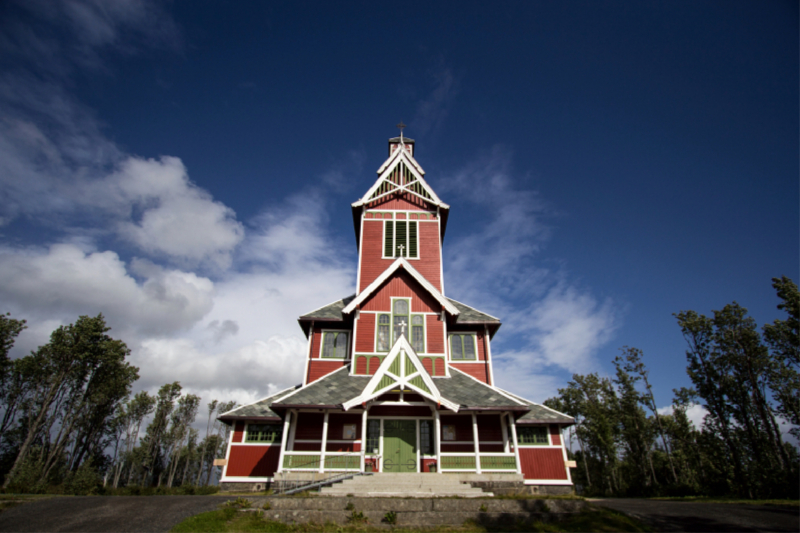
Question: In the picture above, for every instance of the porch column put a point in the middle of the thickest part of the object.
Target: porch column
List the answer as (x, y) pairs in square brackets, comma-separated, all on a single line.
[(516, 444), (286, 424), (292, 431), (324, 443), (363, 438), (438, 439), (477, 444), (419, 452), (504, 429)]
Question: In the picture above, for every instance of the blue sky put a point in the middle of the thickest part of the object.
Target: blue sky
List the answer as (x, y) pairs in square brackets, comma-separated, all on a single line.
[(187, 168)]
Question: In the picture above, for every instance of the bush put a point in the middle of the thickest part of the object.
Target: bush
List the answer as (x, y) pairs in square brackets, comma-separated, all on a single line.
[(27, 479), (82, 482)]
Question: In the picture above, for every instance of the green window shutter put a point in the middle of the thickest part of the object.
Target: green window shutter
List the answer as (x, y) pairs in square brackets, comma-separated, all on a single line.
[(412, 239), (388, 238), (401, 240)]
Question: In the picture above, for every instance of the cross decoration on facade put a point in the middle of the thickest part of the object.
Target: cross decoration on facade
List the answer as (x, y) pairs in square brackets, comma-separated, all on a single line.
[(402, 325), (401, 246), (401, 126)]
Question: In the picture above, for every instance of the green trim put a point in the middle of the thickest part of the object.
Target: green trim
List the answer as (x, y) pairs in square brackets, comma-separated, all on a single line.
[(301, 461), (325, 335), (384, 382), (388, 238), (420, 384), (263, 433), (394, 368), (410, 368), (411, 332), (461, 337), (347, 462), (533, 435), (457, 463), (495, 462)]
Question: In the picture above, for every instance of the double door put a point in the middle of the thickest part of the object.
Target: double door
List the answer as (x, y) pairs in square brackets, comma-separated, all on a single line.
[(399, 446)]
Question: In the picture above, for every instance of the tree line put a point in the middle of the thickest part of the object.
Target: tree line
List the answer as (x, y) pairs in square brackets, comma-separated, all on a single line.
[(69, 422), (747, 380)]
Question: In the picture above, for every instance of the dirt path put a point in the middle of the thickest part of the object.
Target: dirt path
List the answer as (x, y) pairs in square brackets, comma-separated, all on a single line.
[(687, 516), (106, 513)]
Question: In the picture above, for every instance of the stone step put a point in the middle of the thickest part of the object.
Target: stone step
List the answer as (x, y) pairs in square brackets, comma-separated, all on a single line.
[(405, 518), (428, 504)]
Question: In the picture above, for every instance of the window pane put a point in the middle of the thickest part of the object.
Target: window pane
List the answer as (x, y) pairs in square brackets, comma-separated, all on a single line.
[(400, 327), (400, 242), (373, 435), (328, 348), (456, 351), (418, 339), (401, 307), (425, 443), (264, 433), (388, 244), (469, 347), (417, 320), (412, 239), (383, 333), (532, 435), (341, 345)]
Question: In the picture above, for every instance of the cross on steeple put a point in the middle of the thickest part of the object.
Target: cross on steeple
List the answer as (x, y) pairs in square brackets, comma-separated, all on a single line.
[(402, 247), (401, 126), (402, 325)]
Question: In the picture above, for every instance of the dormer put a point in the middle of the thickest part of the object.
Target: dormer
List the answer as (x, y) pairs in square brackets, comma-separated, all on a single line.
[(396, 143)]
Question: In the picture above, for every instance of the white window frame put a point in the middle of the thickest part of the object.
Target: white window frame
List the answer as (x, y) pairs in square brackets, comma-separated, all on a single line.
[(450, 347), (322, 344), (395, 220), (247, 429)]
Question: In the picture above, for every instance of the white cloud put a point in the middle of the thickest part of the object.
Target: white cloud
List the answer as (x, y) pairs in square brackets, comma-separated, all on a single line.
[(433, 109), (549, 323), (51, 286)]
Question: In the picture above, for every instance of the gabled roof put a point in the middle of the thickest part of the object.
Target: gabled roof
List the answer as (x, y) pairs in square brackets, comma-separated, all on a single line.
[(401, 368), (541, 413), (331, 390), (468, 392), (400, 262), (258, 410), (327, 313), (400, 174), (470, 315)]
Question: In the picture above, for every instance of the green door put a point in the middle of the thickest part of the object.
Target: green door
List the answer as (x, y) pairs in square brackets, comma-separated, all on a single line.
[(399, 446)]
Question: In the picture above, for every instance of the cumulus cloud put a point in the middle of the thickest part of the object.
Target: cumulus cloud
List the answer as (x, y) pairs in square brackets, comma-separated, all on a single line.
[(550, 323), (54, 285)]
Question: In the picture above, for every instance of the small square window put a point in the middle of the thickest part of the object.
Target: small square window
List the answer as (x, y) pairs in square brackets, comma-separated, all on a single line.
[(532, 435), (349, 432), (334, 345), (448, 433)]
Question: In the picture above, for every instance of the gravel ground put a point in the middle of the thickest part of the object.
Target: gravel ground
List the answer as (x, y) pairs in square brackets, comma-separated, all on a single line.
[(106, 513), (690, 516)]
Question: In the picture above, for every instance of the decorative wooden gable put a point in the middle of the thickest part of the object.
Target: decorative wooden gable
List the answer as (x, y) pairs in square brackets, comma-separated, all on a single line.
[(401, 369), (399, 175)]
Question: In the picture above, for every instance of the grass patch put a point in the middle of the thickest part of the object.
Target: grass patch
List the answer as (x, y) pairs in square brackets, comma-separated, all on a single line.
[(705, 499), (229, 520)]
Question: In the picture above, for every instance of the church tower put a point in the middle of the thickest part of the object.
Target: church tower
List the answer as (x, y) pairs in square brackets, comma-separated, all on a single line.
[(398, 377)]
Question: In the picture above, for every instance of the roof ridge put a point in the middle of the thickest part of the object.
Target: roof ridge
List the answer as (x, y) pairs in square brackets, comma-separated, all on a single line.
[(328, 305), (473, 308)]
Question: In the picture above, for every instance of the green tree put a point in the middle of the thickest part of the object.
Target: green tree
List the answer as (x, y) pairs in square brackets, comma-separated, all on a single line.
[(71, 385)]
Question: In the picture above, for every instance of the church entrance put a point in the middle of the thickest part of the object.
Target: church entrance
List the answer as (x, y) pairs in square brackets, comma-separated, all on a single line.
[(399, 446)]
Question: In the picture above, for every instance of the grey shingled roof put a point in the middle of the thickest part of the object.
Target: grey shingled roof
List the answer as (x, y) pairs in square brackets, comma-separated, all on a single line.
[(470, 314), (331, 311), (540, 413), (468, 392), (405, 140), (333, 389), (260, 409)]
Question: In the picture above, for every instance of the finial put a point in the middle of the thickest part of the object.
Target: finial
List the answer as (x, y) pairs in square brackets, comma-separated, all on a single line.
[(401, 126)]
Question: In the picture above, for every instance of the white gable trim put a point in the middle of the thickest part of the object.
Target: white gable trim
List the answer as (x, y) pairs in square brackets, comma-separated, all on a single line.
[(372, 391), (386, 170), (400, 262), (261, 400), (534, 403)]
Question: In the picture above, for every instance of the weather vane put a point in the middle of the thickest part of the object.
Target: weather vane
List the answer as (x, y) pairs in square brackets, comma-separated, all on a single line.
[(401, 126)]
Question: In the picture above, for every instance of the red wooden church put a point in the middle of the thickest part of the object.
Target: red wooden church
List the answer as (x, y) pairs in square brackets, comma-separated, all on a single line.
[(398, 377)]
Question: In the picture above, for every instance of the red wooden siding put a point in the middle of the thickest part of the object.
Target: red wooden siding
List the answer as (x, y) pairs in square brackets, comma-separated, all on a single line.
[(318, 368), (399, 410), (427, 364), (457, 448), (372, 264), (434, 334), (439, 366), (309, 427), (407, 202), (361, 365), (481, 346), (238, 432), (343, 446), (365, 334), (489, 428), (374, 363), (316, 339), (256, 461), (542, 463), (463, 426), (477, 371), (401, 285), (336, 424), (555, 435)]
